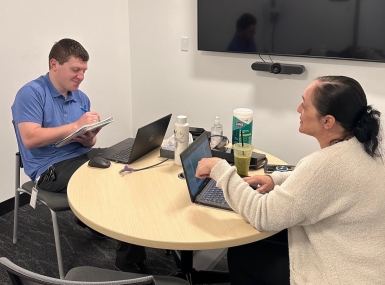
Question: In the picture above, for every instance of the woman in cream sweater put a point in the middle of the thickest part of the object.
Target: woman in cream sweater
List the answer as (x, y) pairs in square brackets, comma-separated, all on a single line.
[(332, 204)]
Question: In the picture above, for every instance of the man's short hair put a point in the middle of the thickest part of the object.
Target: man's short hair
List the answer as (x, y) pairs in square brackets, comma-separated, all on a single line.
[(65, 48)]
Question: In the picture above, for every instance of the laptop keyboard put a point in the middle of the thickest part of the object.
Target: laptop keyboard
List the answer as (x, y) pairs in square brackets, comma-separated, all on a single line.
[(123, 154), (214, 194)]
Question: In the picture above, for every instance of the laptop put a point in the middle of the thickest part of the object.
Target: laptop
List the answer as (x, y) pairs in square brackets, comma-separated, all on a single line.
[(202, 191), (148, 138)]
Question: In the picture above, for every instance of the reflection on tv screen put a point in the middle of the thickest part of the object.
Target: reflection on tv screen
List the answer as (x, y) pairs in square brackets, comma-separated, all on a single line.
[(317, 28)]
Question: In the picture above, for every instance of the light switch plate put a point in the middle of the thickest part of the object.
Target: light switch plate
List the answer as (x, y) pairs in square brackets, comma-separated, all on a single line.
[(184, 43)]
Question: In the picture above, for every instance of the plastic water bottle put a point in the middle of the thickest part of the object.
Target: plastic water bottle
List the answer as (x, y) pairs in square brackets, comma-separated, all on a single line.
[(216, 133), (181, 136)]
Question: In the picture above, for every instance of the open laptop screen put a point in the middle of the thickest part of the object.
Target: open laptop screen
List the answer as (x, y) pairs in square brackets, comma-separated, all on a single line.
[(199, 149)]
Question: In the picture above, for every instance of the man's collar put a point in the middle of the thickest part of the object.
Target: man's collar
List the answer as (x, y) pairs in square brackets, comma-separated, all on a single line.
[(54, 91)]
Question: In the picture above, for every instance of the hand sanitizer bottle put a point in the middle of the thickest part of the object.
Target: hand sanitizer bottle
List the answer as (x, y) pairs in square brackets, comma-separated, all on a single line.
[(181, 135), (216, 133)]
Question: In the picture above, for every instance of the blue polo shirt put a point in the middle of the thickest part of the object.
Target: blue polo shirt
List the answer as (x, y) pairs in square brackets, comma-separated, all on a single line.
[(39, 102)]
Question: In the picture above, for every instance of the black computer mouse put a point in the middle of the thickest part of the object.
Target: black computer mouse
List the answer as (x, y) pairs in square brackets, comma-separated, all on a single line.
[(99, 162)]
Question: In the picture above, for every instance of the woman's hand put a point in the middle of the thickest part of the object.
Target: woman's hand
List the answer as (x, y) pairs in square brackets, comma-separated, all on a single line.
[(265, 182), (205, 165)]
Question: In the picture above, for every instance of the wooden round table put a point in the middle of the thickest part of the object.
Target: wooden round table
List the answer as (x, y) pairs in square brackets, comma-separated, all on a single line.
[(152, 208)]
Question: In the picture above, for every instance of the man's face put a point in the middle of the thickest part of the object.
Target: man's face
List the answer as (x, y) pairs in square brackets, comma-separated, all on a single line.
[(67, 76)]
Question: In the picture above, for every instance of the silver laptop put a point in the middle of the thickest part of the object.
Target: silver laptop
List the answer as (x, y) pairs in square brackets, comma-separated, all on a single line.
[(148, 138), (202, 191)]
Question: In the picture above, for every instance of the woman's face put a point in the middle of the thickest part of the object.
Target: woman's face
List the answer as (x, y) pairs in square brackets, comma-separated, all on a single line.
[(310, 120)]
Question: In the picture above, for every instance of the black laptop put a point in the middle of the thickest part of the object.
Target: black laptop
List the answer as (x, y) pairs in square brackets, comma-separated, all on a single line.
[(202, 191), (147, 139)]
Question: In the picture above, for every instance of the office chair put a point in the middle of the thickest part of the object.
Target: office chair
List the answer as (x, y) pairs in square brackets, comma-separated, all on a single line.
[(85, 275), (56, 202)]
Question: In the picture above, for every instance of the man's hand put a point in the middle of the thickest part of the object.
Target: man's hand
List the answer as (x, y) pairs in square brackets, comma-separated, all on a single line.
[(87, 139), (266, 182), (205, 166), (34, 135), (87, 119)]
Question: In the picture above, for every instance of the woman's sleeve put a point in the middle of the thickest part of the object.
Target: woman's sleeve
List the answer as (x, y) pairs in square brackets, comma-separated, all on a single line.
[(279, 209), (280, 177)]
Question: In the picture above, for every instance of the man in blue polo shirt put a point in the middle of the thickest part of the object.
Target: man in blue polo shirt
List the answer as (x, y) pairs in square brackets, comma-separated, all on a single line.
[(49, 109)]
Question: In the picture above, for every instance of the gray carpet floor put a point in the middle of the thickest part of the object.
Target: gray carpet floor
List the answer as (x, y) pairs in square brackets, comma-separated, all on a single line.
[(35, 249)]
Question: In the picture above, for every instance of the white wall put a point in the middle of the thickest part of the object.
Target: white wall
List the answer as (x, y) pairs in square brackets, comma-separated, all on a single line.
[(202, 85), (28, 31), (162, 78)]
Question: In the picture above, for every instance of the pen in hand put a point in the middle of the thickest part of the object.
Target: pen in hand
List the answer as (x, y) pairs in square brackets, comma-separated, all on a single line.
[(85, 111)]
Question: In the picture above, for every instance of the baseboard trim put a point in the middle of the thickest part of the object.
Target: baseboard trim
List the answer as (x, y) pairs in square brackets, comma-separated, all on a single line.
[(8, 205)]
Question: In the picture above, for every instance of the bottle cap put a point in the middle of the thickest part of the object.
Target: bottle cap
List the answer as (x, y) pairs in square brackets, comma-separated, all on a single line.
[(217, 120), (181, 119)]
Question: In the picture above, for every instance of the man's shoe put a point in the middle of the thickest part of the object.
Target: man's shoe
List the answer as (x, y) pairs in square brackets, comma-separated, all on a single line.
[(95, 233), (134, 267), (79, 222)]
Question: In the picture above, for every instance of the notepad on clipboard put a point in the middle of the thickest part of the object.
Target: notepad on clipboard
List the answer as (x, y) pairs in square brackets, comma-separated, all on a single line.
[(83, 130)]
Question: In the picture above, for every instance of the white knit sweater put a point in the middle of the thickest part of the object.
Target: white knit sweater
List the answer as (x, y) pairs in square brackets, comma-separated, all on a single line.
[(333, 205)]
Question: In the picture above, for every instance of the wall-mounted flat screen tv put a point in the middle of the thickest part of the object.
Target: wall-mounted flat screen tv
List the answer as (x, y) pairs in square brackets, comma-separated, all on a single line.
[(346, 29)]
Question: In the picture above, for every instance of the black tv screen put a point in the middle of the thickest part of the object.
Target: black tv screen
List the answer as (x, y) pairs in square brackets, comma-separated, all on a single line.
[(347, 29)]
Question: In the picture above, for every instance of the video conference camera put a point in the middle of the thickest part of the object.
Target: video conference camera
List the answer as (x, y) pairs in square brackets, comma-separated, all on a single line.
[(278, 68)]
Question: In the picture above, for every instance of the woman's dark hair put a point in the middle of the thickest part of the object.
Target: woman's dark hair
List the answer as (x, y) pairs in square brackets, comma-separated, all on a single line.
[(245, 21), (344, 99)]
